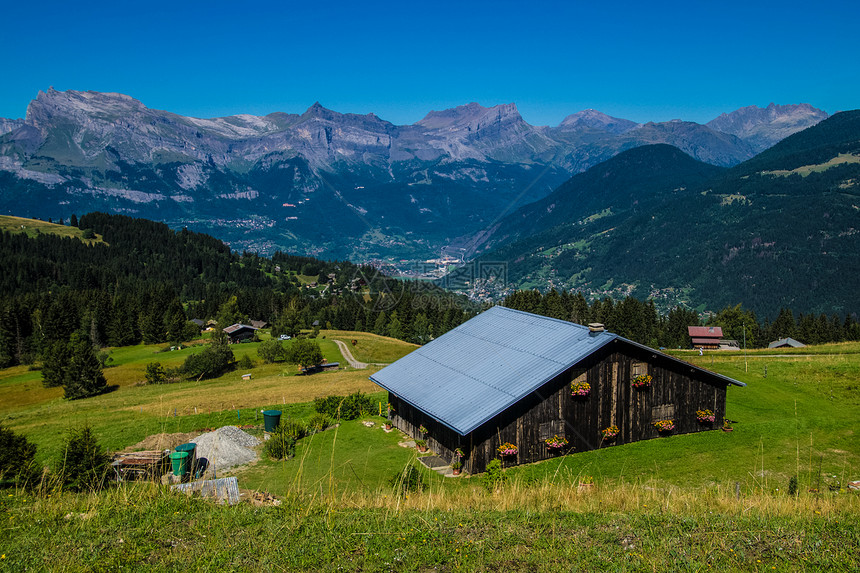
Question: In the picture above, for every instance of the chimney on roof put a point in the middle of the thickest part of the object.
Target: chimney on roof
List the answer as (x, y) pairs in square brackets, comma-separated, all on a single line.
[(595, 327)]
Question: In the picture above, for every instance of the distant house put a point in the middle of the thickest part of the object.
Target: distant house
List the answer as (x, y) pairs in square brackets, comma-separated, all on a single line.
[(508, 376), (258, 324), (707, 337), (200, 324), (786, 343), (239, 332)]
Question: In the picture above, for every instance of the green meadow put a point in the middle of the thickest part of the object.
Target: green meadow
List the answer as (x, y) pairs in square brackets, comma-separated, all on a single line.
[(709, 501)]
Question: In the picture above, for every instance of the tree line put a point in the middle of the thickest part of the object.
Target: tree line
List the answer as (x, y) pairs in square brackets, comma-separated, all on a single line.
[(641, 322)]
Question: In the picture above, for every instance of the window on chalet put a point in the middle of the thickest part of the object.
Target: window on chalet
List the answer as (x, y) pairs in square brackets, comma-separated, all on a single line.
[(663, 412), (549, 429)]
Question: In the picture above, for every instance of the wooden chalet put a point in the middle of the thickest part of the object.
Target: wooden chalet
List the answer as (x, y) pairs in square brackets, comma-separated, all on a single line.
[(707, 337), (508, 376), (239, 332)]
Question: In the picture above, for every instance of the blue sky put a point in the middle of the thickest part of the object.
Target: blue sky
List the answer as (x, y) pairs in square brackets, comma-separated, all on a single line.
[(645, 61)]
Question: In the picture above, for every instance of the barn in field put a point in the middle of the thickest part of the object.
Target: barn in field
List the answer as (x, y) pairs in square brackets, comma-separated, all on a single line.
[(545, 386), (707, 337), (239, 333)]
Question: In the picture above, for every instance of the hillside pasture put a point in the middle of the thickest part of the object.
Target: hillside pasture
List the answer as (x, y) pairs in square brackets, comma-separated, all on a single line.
[(708, 501), (132, 410), (372, 348), (797, 416), (33, 227)]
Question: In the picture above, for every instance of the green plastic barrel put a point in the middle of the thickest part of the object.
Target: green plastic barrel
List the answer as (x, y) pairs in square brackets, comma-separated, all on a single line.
[(271, 419), (180, 461), (191, 448)]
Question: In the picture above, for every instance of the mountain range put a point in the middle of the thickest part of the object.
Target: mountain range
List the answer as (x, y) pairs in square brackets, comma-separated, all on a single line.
[(780, 230), (330, 184)]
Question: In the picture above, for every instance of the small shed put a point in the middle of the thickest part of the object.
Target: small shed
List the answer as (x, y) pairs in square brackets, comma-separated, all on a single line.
[(508, 376), (786, 343)]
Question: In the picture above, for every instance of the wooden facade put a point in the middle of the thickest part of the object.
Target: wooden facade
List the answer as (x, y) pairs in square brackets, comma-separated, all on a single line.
[(677, 391)]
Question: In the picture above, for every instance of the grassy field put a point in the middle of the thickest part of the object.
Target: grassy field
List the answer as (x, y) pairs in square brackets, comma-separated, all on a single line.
[(372, 348), (692, 503), (33, 227), (511, 529), (133, 411)]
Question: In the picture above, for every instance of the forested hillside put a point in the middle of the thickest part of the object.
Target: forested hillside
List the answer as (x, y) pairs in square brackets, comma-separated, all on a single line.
[(145, 282), (778, 231)]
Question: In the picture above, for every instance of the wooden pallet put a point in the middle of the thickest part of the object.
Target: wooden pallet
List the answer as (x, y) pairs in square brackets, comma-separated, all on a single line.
[(147, 464)]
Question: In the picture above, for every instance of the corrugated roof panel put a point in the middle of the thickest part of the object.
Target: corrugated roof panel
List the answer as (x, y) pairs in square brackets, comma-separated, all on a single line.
[(473, 372), (705, 331)]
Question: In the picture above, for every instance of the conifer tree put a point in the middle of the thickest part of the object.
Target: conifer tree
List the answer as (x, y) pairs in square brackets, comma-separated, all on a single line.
[(55, 362), (83, 464), (83, 376)]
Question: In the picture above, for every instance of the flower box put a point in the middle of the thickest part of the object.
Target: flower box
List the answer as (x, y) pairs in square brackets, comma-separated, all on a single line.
[(609, 433), (642, 381), (705, 416), (664, 426), (556, 442), (507, 449), (580, 390)]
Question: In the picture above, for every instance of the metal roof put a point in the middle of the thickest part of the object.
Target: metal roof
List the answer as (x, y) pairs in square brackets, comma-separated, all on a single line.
[(482, 367), (236, 327), (705, 331), (786, 342)]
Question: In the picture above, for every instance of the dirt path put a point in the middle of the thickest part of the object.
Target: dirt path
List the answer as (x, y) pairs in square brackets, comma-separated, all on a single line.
[(347, 354)]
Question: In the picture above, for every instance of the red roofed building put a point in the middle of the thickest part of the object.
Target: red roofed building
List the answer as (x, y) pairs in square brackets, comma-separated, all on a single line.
[(707, 337)]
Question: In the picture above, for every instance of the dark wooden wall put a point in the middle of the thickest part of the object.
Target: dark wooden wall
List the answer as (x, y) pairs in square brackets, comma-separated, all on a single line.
[(676, 392)]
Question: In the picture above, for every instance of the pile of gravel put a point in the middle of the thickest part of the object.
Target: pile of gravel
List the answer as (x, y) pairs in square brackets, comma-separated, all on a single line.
[(226, 447)]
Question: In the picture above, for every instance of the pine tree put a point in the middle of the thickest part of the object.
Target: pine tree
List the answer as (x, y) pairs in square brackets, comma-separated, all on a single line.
[(379, 325), (55, 363), (83, 377), (422, 329), (395, 327), (83, 464), (579, 314), (174, 321), (784, 325)]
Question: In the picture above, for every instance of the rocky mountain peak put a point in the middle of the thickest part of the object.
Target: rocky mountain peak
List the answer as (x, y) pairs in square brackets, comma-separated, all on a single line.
[(471, 117), (593, 119), (763, 127), (318, 110)]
